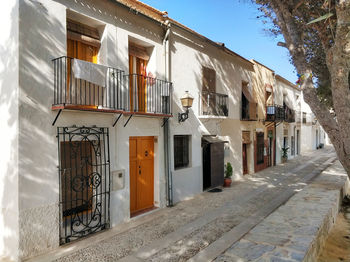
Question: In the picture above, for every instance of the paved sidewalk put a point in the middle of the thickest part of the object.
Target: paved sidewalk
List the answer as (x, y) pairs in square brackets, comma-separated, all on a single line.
[(297, 230), (203, 227)]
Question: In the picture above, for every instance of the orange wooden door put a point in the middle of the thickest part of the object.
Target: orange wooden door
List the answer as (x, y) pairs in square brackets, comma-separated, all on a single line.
[(138, 83), (81, 51), (141, 150)]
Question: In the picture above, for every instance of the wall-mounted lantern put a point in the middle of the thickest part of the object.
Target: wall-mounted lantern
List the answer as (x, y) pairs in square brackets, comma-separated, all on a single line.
[(186, 102)]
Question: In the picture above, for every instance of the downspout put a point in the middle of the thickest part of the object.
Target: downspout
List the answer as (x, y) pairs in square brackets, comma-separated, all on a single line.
[(166, 130)]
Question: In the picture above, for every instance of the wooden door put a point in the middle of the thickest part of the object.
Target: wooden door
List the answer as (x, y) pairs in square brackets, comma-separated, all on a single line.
[(85, 52), (245, 159), (82, 51), (141, 154), (138, 83)]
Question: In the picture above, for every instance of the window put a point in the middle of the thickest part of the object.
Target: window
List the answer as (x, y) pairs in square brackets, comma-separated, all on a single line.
[(304, 118), (181, 151), (292, 141), (260, 148), (208, 91)]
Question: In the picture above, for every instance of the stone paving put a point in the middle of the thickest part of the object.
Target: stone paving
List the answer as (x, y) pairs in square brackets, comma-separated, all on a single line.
[(294, 232), (194, 226)]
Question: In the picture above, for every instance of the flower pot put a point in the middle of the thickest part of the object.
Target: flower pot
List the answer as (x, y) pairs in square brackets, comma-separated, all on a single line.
[(227, 182), (284, 159)]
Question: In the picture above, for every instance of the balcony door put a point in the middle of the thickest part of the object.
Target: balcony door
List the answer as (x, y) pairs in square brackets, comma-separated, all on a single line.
[(83, 44), (138, 83), (82, 51)]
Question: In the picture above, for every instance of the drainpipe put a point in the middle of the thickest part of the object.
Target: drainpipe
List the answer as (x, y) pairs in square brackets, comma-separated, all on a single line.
[(166, 130)]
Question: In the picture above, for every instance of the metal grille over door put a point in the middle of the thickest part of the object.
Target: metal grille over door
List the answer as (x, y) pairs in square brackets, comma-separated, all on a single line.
[(84, 176)]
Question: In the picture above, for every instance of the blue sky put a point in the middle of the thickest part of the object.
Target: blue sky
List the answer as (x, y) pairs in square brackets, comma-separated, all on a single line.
[(235, 23)]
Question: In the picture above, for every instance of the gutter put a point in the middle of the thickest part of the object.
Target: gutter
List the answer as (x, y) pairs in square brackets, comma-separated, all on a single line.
[(136, 12)]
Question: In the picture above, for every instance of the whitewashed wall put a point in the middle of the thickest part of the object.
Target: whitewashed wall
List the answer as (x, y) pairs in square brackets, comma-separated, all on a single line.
[(188, 54), (8, 130), (42, 36)]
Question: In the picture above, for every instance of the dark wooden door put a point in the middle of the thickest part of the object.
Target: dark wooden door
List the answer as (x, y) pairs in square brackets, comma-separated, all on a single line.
[(245, 160), (217, 164)]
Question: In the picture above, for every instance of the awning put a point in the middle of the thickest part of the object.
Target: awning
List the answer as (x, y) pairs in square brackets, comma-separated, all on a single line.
[(213, 139), (247, 94)]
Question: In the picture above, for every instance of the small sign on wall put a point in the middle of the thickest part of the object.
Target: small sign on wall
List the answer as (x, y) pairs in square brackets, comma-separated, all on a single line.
[(118, 179)]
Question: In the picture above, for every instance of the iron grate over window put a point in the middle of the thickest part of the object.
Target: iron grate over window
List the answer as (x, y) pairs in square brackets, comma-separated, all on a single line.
[(84, 177)]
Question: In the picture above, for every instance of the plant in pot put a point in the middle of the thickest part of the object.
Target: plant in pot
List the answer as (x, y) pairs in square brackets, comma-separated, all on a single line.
[(285, 154), (228, 174)]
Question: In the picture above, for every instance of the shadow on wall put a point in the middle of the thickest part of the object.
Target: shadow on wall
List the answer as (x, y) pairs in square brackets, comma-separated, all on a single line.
[(41, 38), (228, 81), (229, 76), (9, 107)]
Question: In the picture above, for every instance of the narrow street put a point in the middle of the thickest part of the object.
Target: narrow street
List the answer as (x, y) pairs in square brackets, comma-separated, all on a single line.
[(203, 227)]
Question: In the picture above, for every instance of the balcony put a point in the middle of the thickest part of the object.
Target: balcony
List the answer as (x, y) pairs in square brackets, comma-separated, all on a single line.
[(274, 113), (148, 95), (81, 85), (213, 104)]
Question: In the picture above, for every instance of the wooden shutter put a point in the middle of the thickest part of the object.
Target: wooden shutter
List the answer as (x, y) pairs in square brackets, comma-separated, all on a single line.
[(138, 51), (208, 91), (209, 80), (252, 110), (83, 33)]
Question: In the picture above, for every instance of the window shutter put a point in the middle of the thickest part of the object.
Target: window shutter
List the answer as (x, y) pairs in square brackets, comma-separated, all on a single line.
[(253, 111)]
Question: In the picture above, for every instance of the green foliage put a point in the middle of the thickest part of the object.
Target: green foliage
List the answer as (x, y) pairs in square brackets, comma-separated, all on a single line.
[(309, 18), (285, 152), (228, 170)]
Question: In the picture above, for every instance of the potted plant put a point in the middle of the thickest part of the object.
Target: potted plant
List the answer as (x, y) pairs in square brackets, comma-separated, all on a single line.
[(285, 154), (228, 174)]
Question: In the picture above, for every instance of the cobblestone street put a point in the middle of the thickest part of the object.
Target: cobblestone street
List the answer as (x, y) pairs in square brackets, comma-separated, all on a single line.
[(206, 226)]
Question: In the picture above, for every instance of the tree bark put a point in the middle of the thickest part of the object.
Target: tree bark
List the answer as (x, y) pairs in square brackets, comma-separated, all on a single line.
[(338, 62)]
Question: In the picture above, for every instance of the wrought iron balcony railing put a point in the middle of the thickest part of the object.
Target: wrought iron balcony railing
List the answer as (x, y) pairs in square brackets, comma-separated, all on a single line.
[(148, 95), (274, 113), (213, 104), (87, 85)]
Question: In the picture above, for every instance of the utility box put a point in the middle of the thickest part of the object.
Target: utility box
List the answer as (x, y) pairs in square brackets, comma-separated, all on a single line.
[(118, 179)]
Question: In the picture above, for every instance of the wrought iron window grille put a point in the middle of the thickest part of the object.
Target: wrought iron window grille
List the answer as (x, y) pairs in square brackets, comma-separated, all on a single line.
[(84, 181)]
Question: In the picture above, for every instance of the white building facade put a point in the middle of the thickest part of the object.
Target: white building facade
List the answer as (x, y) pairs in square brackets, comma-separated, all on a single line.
[(90, 98)]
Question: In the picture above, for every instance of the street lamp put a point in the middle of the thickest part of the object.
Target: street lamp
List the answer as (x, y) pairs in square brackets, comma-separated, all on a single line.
[(186, 102)]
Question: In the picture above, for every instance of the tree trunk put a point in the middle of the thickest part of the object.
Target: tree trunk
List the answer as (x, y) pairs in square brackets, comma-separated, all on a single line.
[(338, 62)]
